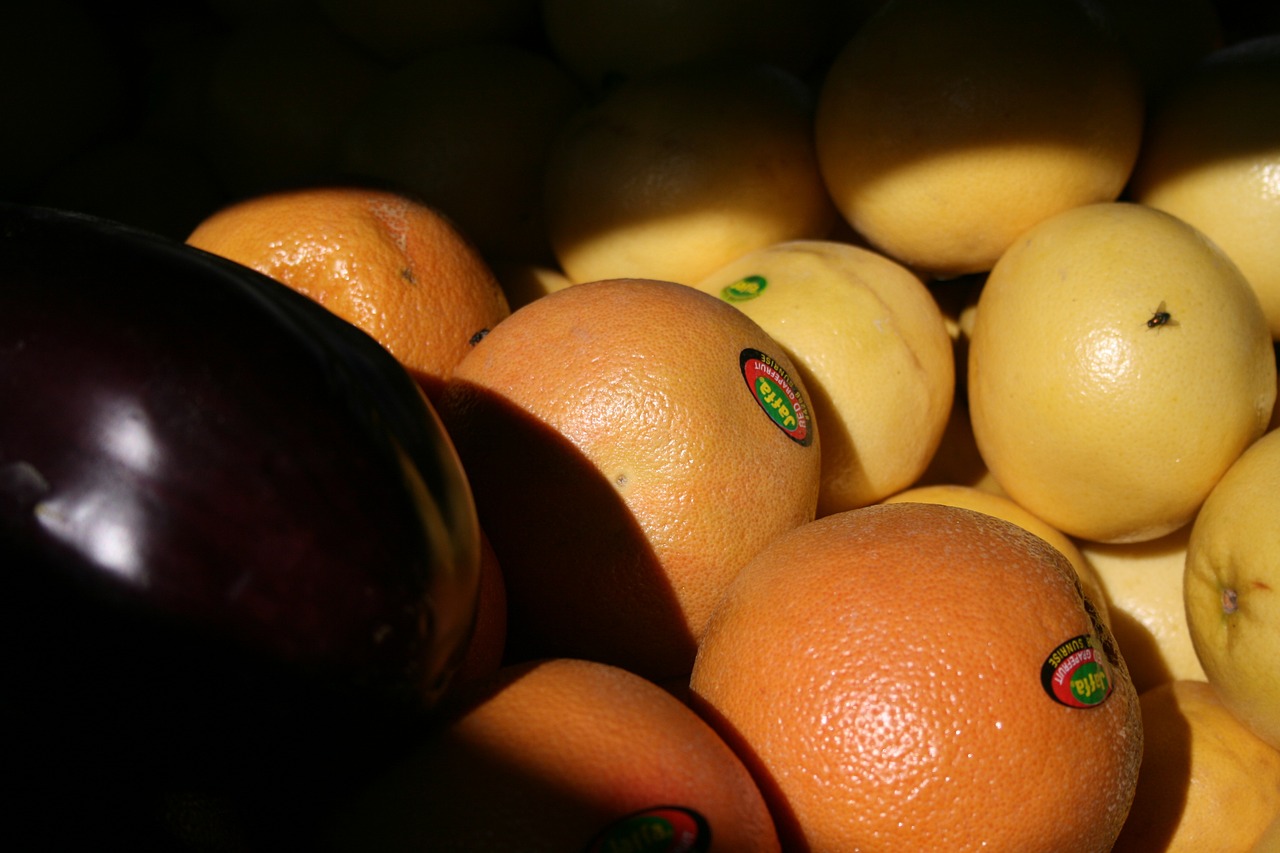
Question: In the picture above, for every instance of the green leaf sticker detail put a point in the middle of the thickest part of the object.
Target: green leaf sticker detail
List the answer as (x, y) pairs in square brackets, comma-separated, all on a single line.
[(777, 395), (744, 288), (1077, 673), (663, 829)]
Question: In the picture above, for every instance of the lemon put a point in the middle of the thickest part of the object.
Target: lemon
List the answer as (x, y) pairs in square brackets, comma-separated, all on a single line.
[(945, 128), (1199, 766), (1212, 158), (1231, 586), (1142, 582), (671, 176), (1118, 364), (872, 349)]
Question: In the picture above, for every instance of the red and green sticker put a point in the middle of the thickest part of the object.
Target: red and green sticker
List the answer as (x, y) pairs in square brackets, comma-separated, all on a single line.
[(777, 394), (663, 829), (1077, 674)]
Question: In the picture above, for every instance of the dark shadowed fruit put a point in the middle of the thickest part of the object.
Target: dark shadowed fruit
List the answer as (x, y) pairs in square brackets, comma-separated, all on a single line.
[(238, 552)]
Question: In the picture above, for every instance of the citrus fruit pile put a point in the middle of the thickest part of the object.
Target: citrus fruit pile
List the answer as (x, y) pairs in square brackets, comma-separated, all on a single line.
[(869, 408)]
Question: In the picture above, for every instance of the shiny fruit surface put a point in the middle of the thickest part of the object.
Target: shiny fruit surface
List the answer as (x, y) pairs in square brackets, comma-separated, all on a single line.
[(229, 522)]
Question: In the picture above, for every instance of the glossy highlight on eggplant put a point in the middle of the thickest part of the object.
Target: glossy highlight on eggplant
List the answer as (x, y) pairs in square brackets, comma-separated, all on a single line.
[(233, 535)]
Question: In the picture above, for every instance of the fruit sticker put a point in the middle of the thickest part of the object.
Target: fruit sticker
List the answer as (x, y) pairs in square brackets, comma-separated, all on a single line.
[(664, 829), (777, 395), (748, 287), (1076, 673)]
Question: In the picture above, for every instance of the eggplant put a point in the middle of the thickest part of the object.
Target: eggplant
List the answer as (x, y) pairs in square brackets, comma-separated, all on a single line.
[(239, 555)]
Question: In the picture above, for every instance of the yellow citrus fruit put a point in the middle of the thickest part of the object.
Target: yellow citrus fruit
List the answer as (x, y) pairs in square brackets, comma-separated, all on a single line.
[(1206, 783), (606, 43), (379, 260), (399, 30), (1212, 158), (1231, 583), (1161, 37), (1269, 841), (467, 130), (561, 755), (871, 347), (630, 445), (673, 175), (922, 677), (945, 128), (1119, 363), (1142, 583), (1000, 506)]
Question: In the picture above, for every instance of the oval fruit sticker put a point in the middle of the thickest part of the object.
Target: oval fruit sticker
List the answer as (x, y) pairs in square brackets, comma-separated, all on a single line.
[(743, 289), (663, 829), (777, 395), (1077, 674)]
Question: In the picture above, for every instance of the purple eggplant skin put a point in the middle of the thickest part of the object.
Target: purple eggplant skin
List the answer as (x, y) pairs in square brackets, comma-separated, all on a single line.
[(239, 555)]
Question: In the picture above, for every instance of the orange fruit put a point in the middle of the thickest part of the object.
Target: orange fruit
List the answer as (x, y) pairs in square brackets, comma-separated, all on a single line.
[(1001, 506), (1207, 782), (380, 260), (672, 175), (630, 445), (1211, 156), (562, 755), (945, 129), (467, 130), (1118, 364), (922, 677)]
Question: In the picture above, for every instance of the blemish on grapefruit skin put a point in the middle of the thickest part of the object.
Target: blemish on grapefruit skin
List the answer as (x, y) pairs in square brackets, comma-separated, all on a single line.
[(1230, 601)]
